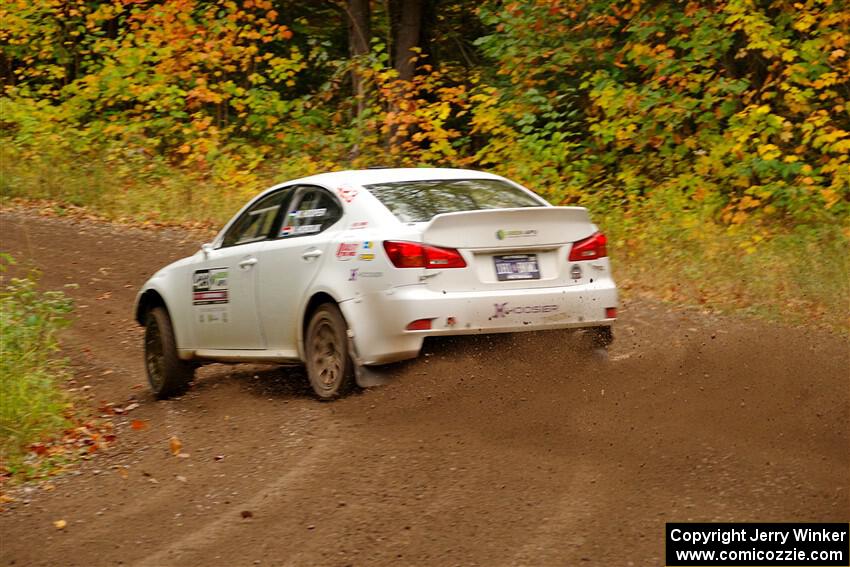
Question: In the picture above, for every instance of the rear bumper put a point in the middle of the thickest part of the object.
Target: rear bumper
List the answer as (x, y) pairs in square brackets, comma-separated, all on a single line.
[(378, 320)]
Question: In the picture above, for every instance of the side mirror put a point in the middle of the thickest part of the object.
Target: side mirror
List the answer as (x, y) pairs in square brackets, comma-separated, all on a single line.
[(206, 248)]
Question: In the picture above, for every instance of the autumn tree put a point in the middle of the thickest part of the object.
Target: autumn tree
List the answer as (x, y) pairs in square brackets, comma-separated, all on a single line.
[(358, 16), (407, 28)]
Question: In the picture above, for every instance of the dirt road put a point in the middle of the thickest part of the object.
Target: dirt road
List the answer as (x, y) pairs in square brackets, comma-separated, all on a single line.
[(494, 452)]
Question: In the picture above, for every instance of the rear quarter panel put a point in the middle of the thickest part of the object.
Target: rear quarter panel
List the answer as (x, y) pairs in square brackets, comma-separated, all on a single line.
[(356, 262), (356, 267)]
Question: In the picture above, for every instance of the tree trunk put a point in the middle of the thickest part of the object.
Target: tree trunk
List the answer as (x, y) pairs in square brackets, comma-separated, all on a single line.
[(407, 36), (359, 35)]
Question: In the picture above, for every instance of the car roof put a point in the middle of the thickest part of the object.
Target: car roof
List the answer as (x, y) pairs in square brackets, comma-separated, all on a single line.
[(335, 179), (390, 175)]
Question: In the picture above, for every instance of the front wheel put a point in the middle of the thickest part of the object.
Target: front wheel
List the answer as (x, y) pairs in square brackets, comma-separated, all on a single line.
[(330, 369), (167, 374)]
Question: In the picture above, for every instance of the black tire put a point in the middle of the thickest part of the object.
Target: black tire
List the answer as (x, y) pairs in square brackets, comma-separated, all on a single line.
[(594, 342), (330, 369), (599, 337), (167, 374)]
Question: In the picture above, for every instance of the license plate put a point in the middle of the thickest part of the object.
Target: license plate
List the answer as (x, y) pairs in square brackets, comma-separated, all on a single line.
[(517, 267)]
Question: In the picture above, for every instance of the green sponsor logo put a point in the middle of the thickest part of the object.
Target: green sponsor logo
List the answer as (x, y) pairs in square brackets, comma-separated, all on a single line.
[(503, 234)]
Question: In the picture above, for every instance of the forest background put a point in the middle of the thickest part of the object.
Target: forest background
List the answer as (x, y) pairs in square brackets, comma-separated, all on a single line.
[(710, 139)]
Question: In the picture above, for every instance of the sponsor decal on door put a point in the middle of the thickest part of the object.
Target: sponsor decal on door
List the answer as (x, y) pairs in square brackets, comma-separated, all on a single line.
[(210, 286)]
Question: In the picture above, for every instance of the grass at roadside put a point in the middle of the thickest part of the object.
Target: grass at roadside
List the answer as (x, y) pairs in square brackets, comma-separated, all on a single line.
[(796, 275), (137, 188), (33, 405), (796, 278)]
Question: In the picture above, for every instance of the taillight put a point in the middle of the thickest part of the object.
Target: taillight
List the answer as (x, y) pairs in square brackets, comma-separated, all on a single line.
[(590, 248), (419, 325), (415, 255)]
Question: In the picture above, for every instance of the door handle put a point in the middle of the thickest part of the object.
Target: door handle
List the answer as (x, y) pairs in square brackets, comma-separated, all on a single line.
[(310, 254), (247, 263)]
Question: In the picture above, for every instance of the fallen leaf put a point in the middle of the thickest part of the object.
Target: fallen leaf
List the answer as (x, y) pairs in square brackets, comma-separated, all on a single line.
[(138, 424), (175, 445), (131, 407), (48, 487), (123, 472), (60, 524)]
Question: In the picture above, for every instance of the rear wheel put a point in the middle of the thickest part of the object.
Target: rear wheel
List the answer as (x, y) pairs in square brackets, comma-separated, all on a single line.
[(330, 369), (595, 341), (167, 374)]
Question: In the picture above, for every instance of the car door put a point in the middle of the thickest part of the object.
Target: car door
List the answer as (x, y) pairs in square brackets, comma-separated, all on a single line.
[(224, 283), (291, 260)]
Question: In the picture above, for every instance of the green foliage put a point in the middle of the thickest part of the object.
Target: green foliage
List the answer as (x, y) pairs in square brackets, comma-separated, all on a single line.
[(738, 105), (32, 405)]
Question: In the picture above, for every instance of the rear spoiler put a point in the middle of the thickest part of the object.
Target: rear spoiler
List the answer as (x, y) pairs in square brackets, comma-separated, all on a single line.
[(532, 226)]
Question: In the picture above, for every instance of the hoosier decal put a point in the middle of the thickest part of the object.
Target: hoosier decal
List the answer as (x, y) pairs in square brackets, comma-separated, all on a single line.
[(356, 273), (505, 309), (209, 286)]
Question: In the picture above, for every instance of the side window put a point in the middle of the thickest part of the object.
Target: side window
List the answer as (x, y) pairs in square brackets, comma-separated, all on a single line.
[(312, 210), (256, 223)]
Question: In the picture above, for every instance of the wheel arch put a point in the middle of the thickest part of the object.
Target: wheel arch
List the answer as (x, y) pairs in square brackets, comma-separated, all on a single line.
[(317, 299), (148, 300)]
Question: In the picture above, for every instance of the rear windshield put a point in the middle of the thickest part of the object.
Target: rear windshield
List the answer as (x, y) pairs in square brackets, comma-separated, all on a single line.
[(419, 201)]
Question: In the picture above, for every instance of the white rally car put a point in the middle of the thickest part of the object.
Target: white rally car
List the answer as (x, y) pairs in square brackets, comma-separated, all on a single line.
[(344, 270)]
